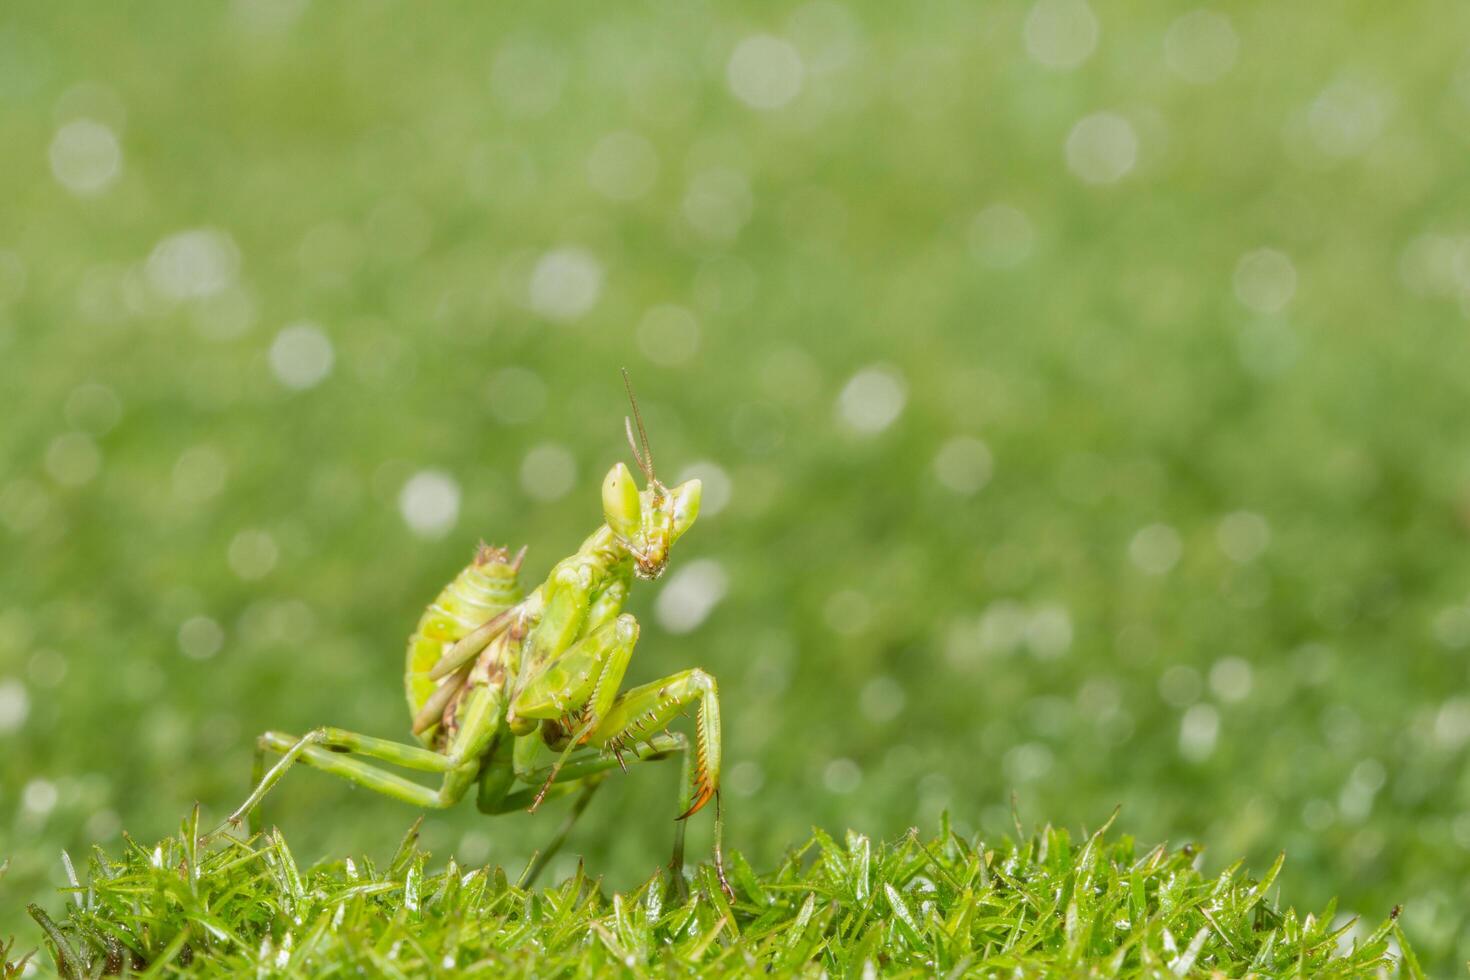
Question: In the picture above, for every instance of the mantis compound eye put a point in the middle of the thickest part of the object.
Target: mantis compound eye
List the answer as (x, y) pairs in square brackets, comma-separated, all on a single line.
[(686, 506), (620, 505)]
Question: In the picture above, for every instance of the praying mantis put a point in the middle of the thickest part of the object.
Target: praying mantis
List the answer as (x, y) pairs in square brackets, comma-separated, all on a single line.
[(497, 680)]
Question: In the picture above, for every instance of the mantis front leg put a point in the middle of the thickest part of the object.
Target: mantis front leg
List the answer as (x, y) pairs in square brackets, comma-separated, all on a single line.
[(578, 694), (645, 710)]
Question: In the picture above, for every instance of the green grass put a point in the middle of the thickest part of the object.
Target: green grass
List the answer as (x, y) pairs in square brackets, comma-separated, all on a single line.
[(946, 905), (892, 641)]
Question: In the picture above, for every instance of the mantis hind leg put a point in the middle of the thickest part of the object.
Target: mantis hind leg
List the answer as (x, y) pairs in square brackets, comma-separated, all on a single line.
[(344, 754), (543, 858)]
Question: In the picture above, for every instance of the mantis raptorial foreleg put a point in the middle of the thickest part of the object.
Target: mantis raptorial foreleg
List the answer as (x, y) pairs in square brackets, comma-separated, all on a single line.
[(580, 687), (644, 710)]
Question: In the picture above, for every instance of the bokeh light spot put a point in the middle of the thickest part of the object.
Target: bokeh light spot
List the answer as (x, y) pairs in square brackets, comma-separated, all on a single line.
[(1028, 762), (193, 264), (691, 593), (1265, 280), (1061, 34), (429, 503), (1201, 46), (565, 284), (1231, 679), (1198, 731), (717, 487), (1347, 117), (717, 204), (548, 472), (1049, 631), (517, 395), (848, 612), (1155, 549), (301, 356), (1243, 535), (198, 474), (882, 699), (15, 705), (1180, 686), (252, 554), (92, 408), (765, 72), (39, 796), (963, 465), (86, 157), (200, 637), (668, 335), (1102, 148), (1001, 236), (623, 166), (872, 399), (527, 77), (745, 778), (842, 776), (73, 459)]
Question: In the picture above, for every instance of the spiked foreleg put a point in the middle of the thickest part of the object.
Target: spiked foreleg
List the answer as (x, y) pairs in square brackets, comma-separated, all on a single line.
[(639, 714), (644, 711), (574, 691)]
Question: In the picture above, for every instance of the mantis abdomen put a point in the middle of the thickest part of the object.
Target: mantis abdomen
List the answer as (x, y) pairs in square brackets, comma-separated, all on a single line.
[(485, 588)]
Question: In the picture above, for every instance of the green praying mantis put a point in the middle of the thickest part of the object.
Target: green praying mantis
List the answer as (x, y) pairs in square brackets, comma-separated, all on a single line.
[(495, 679)]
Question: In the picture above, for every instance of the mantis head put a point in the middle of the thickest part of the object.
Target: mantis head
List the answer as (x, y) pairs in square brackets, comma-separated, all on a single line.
[(647, 522)]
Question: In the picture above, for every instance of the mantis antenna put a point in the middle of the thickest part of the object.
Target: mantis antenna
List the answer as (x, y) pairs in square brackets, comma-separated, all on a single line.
[(645, 459)]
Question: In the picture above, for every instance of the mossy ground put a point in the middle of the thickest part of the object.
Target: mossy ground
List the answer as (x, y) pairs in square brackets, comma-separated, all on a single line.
[(1047, 905)]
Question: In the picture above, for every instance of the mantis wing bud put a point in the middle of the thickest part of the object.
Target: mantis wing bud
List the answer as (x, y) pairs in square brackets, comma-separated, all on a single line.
[(620, 502)]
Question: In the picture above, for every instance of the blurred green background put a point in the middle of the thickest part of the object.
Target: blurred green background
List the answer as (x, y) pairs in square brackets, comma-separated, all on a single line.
[(1080, 393)]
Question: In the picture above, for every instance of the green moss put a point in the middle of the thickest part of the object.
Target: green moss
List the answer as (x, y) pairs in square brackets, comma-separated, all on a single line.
[(1095, 907)]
